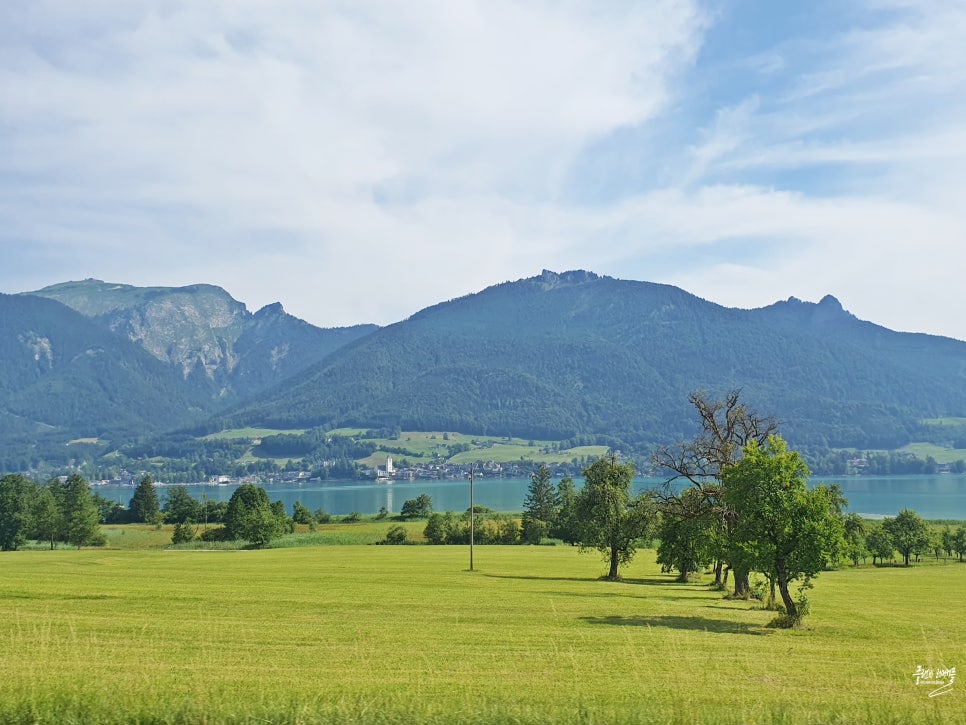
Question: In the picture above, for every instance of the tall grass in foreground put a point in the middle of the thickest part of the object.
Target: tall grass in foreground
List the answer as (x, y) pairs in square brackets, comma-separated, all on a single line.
[(360, 634)]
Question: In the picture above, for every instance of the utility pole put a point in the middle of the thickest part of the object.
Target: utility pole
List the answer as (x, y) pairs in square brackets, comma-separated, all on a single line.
[(472, 518)]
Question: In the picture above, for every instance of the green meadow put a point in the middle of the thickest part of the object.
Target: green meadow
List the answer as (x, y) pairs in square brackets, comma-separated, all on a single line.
[(380, 634)]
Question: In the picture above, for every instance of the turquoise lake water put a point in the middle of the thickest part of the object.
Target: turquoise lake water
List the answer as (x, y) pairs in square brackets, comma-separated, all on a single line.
[(933, 497)]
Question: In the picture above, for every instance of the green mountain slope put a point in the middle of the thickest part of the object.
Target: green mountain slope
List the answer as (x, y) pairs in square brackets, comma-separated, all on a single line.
[(208, 336), (65, 377), (574, 354)]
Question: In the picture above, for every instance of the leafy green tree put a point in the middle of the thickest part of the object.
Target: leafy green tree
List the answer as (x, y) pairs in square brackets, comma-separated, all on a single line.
[(47, 516), (250, 516), (879, 543), (566, 524), (959, 542), (612, 520), (687, 536), (322, 516), (540, 507), (855, 546), (909, 533), (180, 506), (144, 506), (110, 512), (790, 531), (301, 514), (16, 501), (435, 531), (80, 515), (947, 540), (417, 508)]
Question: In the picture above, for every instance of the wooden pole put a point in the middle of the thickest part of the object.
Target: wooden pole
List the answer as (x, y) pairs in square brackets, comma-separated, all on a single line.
[(472, 518)]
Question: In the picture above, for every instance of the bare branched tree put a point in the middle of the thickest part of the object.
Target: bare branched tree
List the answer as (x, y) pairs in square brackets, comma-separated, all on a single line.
[(727, 425)]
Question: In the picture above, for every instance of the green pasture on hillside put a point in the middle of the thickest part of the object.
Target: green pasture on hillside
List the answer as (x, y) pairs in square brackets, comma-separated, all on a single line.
[(250, 433), (422, 446), (366, 634), (938, 453)]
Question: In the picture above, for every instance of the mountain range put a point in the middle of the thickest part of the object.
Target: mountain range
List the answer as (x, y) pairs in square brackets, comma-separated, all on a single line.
[(550, 357)]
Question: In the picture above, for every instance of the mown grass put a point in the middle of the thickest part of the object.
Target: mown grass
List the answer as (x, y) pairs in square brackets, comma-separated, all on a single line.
[(355, 634)]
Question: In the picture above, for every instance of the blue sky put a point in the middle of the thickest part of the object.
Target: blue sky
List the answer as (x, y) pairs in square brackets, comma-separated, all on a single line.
[(361, 160)]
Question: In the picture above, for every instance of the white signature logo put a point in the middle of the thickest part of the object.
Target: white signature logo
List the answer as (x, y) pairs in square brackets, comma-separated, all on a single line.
[(944, 678)]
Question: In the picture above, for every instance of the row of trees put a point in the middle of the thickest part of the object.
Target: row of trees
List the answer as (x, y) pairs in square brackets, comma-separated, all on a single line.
[(745, 506), (68, 512), (55, 512)]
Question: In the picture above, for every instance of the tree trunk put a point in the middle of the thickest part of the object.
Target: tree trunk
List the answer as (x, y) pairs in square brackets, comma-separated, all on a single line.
[(717, 573), (790, 609), (613, 563), (742, 585), (906, 556)]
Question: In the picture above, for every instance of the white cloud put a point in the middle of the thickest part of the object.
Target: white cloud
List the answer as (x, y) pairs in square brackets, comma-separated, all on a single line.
[(360, 160)]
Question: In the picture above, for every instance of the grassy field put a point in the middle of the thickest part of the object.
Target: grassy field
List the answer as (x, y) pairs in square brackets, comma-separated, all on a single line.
[(250, 433), (940, 454), (421, 447), (359, 634)]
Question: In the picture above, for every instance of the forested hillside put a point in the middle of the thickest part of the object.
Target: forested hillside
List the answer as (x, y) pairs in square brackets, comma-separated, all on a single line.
[(554, 357), (65, 378), (561, 355)]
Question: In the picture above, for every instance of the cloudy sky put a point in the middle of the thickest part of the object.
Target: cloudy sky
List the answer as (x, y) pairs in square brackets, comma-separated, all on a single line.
[(361, 160)]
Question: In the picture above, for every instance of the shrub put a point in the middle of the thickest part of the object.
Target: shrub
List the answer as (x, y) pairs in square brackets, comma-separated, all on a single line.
[(396, 535), (183, 533)]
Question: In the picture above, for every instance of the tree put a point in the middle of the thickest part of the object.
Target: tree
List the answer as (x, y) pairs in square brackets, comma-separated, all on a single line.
[(179, 506), (566, 524), (16, 500), (879, 543), (687, 536), (727, 426), (790, 531), (540, 506), (435, 531), (959, 542), (250, 516), (80, 515), (301, 514), (612, 521), (855, 546), (909, 533), (144, 505), (417, 508), (48, 516)]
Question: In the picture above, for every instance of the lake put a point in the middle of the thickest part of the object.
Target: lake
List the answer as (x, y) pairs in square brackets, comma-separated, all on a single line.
[(932, 497)]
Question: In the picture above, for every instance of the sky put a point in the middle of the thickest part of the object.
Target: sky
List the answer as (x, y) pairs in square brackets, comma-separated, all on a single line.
[(358, 161)]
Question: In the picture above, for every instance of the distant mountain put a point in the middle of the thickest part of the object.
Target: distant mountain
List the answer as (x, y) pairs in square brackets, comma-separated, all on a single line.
[(209, 337), (65, 377), (573, 354)]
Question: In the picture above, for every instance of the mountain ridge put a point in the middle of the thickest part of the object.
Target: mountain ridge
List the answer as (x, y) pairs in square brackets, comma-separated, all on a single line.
[(553, 356)]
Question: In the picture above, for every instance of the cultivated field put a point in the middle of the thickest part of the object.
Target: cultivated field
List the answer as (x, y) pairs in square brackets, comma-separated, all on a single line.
[(364, 634)]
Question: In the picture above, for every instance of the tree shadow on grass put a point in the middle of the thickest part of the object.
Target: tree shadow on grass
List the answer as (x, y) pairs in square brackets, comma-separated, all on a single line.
[(542, 578), (670, 583), (698, 624)]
